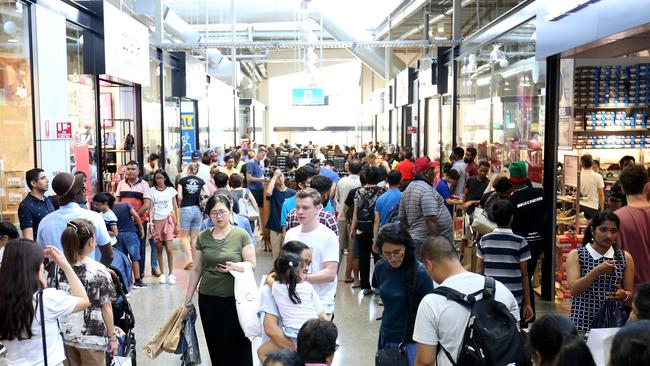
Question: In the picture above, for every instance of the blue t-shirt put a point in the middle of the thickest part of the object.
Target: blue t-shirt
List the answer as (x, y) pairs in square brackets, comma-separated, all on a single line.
[(32, 210), (393, 292), (330, 174), (385, 204), (443, 189), (254, 168), (290, 203), (124, 220), (277, 199)]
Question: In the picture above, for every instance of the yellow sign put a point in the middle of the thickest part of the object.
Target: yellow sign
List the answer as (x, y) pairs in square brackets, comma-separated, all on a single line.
[(187, 121)]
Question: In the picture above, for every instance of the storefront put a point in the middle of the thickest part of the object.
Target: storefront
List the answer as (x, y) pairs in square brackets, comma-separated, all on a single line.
[(598, 99)]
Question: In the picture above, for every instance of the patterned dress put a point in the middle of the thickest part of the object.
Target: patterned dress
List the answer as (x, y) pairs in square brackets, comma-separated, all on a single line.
[(585, 306)]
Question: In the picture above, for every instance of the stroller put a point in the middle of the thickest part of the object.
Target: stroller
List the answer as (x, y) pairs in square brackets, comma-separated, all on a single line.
[(123, 318)]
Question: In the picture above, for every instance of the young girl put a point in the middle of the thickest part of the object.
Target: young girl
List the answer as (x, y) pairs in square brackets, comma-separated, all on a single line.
[(598, 270), (101, 203), (88, 335), (296, 299), (163, 210)]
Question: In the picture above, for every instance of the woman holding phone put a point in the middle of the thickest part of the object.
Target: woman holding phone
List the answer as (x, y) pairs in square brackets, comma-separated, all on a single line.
[(219, 250), (598, 271)]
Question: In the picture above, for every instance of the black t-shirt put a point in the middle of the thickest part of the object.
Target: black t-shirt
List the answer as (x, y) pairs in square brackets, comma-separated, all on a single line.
[(528, 220), (349, 201), (191, 186), (475, 189)]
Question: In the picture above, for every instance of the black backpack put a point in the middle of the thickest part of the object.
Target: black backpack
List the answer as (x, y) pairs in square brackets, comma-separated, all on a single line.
[(491, 335), (366, 213)]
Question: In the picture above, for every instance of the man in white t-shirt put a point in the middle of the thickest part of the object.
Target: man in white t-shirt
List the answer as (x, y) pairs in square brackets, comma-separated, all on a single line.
[(440, 321), (592, 188), (323, 243)]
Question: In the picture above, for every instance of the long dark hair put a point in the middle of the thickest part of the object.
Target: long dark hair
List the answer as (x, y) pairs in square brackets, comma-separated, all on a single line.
[(75, 237), (598, 220), (19, 281), (395, 233), (556, 339), (287, 266), (168, 182)]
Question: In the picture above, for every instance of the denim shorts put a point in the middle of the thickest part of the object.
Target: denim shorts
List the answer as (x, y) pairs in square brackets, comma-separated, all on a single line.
[(191, 217), (129, 243)]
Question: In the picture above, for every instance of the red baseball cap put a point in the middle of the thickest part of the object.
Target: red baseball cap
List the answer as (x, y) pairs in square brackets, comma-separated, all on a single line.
[(424, 163)]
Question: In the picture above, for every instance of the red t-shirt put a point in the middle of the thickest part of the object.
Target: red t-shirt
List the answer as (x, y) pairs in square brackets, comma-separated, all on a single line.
[(407, 169), (472, 169), (634, 238)]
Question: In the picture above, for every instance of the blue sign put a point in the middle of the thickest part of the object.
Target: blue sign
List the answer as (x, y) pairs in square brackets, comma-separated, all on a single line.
[(308, 96), (188, 135)]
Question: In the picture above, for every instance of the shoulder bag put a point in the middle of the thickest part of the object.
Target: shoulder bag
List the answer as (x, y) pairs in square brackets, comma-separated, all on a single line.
[(247, 208)]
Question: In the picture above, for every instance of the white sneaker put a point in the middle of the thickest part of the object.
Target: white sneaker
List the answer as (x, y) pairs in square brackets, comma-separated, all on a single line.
[(162, 279), (171, 279)]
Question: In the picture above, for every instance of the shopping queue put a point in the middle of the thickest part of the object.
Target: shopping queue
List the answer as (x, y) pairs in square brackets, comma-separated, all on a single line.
[(387, 209)]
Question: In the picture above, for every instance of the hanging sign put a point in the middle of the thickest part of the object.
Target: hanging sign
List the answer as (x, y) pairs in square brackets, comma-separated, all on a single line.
[(188, 135)]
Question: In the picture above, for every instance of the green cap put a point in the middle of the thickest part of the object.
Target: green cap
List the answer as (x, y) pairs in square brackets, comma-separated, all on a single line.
[(518, 171)]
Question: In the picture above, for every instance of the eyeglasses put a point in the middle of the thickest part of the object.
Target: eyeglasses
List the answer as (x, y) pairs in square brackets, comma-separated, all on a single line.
[(336, 348), (218, 213), (43, 177), (396, 254)]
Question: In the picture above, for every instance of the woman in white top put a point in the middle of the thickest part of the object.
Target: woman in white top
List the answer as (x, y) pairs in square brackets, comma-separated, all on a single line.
[(23, 283), (164, 211), (296, 298)]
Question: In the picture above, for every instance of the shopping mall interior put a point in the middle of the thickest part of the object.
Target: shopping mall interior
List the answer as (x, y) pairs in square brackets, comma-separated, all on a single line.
[(94, 87)]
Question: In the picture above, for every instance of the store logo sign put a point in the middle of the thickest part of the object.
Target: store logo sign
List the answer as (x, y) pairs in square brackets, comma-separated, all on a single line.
[(558, 9)]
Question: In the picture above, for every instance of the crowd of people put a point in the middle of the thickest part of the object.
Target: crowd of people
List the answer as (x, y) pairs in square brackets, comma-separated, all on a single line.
[(390, 215)]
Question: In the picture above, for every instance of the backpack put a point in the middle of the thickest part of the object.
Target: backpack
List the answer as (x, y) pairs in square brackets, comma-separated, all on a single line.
[(393, 214), (491, 335), (366, 212)]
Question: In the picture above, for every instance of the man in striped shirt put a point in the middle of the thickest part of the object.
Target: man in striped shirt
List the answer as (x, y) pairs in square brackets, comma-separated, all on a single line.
[(503, 256)]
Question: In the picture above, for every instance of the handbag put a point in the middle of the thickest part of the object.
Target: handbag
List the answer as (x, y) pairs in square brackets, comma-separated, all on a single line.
[(247, 301), (611, 314), (482, 224), (154, 346), (396, 356), (247, 208)]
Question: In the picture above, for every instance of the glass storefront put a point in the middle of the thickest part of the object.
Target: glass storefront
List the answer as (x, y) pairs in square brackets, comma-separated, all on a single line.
[(151, 114), (501, 102), (16, 122)]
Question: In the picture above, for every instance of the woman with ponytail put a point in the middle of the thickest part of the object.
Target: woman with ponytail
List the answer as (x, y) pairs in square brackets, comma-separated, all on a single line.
[(402, 283), (90, 335), (554, 340), (27, 306), (599, 271)]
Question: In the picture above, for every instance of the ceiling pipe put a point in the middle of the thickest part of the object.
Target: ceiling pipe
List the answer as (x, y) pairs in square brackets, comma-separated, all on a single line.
[(435, 19)]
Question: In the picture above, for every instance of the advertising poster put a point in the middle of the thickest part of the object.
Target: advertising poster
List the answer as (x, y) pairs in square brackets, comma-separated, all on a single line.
[(188, 135)]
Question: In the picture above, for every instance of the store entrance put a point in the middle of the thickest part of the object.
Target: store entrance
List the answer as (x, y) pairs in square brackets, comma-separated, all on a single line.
[(119, 140)]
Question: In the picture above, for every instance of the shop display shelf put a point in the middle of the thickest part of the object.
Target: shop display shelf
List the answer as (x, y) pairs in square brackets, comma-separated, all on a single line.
[(618, 131), (622, 108)]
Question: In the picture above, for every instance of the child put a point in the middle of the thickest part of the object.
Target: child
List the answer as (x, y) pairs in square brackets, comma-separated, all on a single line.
[(296, 299), (8, 231), (163, 210), (100, 201), (449, 178), (503, 256)]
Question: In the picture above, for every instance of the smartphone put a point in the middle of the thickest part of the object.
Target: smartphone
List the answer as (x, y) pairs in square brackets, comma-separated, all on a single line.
[(222, 266)]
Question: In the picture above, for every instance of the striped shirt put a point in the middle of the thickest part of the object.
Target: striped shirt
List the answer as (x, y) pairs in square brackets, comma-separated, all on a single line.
[(502, 253), (325, 217), (420, 200), (135, 194)]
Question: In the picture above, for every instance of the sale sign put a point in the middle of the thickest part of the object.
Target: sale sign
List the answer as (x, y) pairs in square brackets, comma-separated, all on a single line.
[(63, 130)]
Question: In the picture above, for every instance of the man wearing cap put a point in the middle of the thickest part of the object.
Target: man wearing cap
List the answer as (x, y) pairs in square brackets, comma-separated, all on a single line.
[(204, 170), (255, 175), (422, 210), (528, 219), (68, 188)]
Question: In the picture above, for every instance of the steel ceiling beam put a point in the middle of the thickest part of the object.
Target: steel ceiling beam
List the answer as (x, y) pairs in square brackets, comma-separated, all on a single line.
[(304, 44)]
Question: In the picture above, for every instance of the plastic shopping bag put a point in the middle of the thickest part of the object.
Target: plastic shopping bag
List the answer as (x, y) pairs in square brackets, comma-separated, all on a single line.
[(247, 298), (481, 223), (188, 347)]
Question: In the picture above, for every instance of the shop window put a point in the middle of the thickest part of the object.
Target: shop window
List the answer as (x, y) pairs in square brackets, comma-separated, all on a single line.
[(502, 98), (16, 120), (151, 114)]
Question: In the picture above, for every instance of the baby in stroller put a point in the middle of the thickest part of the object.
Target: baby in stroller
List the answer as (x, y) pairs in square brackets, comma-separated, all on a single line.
[(123, 318)]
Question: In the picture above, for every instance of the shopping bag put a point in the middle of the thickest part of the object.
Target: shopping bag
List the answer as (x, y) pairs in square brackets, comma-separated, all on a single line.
[(247, 299), (121, 361), (155, 345), (174, 336), (188, 347), (247, 208), (611, 314), (481, 223)]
